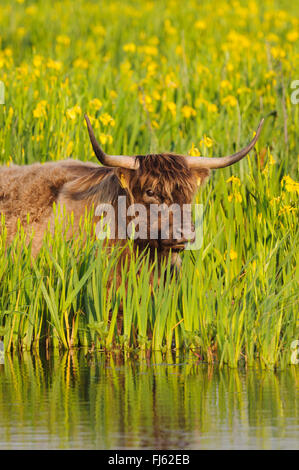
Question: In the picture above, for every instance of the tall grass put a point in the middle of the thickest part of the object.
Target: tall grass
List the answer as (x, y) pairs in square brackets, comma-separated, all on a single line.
[(68, 297), (155, 78)]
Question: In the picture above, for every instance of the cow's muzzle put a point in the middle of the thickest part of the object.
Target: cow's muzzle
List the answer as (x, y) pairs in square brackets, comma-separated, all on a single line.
[(183, 237)]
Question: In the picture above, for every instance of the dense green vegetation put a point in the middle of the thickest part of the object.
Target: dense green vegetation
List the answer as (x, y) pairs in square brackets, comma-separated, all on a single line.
[(153, 77)]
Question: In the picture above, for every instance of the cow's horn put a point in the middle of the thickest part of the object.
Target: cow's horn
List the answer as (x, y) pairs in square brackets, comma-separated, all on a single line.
[(122, 161), (213, 163)]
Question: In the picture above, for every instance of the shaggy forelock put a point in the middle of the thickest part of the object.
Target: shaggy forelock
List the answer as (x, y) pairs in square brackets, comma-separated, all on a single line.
[(168, 172)]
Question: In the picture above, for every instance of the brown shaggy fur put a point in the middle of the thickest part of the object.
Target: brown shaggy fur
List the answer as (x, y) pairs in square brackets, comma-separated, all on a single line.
[(32, 190)]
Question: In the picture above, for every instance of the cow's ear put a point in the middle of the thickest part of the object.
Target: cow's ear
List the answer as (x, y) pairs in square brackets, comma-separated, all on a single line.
[(201, 175), (124, 177)]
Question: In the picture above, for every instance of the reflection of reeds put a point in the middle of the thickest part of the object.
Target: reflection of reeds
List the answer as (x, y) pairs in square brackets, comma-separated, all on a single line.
[(110, 401), (223, 309)]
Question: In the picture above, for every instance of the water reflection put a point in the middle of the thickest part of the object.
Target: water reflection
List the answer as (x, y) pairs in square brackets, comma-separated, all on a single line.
[(87, 402)]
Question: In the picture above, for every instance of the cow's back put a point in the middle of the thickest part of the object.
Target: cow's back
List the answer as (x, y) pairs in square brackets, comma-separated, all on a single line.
[(33, 189)]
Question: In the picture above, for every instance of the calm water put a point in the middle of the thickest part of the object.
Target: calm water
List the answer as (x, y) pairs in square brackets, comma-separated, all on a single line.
[(78, 402)]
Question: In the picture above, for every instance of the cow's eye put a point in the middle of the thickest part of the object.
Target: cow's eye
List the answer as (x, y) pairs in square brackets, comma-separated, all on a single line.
[(150, 193)]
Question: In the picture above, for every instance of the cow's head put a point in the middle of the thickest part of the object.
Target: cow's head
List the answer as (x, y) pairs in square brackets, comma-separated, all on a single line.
[(164, 179)]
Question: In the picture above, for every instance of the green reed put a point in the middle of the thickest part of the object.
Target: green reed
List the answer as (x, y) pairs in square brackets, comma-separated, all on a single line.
[(69, 297)]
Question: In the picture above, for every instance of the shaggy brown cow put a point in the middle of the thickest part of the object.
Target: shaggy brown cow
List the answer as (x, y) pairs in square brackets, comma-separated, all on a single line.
[(76, 185)]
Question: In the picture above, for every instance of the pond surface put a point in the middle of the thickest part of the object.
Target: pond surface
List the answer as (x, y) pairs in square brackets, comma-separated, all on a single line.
[(98, 402)]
